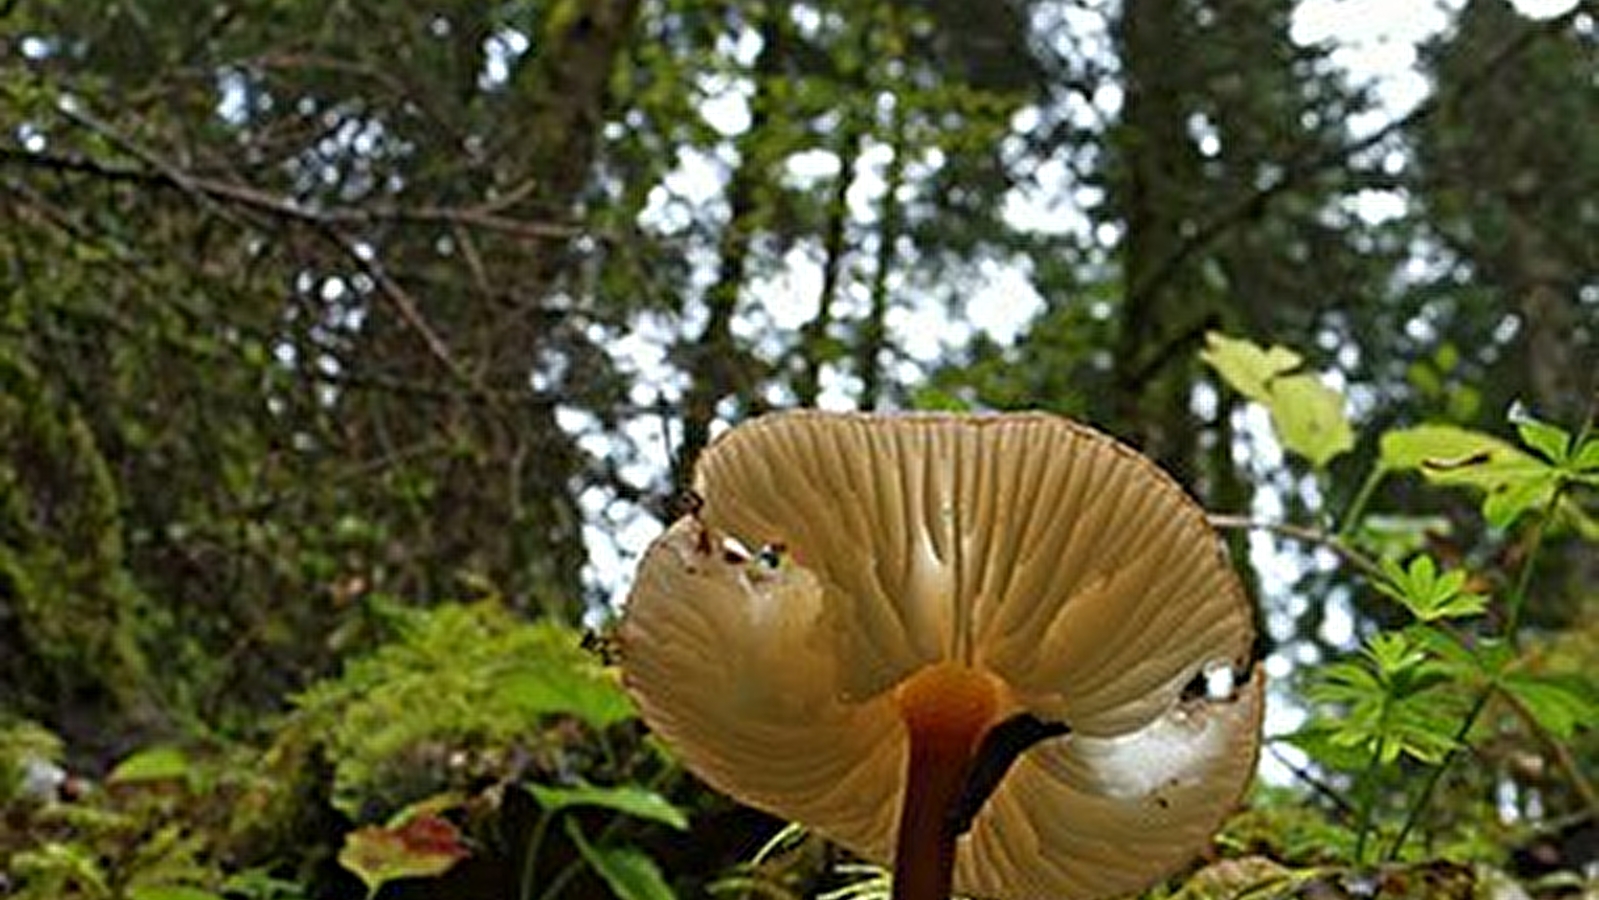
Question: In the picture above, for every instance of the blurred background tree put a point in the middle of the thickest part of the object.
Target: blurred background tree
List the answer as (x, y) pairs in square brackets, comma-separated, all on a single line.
[(311, 311)]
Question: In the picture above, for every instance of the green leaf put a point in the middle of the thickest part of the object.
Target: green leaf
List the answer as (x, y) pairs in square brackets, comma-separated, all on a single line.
[(1246, 366), (1428, 594), (1509, 499), (169, 892), (1559, 704), (630, 873), (1393, 652), (1309, 418), (1399, 535), (1514, 480), (62, 862), (1552, 442), (1446, 454), (424, 847), (1587, 458), (1307, 415), (1394, 700), (162, 763), (629, 799)]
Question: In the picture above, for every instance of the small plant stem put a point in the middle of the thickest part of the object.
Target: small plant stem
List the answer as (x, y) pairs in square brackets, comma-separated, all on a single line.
[(1518, 599), (1436, 775), (535, 842), (1368, 802), (1357, 506)]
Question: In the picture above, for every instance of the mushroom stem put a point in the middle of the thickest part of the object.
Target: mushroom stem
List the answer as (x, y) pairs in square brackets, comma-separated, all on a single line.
[(947, 708)]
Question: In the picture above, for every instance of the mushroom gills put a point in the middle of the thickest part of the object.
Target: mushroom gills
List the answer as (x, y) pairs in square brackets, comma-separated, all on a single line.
[(1001, 747)]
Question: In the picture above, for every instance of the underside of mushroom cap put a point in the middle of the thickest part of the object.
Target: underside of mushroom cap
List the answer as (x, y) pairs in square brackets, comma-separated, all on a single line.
[(836, 555)]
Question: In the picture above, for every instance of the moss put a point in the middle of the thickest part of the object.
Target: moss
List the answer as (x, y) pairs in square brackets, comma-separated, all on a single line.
[(68, 607)]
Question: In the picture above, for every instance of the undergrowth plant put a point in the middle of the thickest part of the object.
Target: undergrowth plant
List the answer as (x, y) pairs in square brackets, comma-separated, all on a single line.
[(1453, 669), (471, 747)]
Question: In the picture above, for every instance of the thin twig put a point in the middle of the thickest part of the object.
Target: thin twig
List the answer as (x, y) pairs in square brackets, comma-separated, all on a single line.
[(1316, 537), (166, 176)]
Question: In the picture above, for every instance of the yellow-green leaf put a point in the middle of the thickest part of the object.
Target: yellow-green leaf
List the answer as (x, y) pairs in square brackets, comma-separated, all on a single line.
[(1309, 418), (1247, 366), (151, 764)]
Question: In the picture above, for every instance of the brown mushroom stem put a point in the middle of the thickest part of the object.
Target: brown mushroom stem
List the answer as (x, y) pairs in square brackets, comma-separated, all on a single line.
[(947, 708)]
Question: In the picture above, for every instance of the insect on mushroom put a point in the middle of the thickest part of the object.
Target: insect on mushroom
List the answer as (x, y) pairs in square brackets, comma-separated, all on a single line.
[(963, 645)]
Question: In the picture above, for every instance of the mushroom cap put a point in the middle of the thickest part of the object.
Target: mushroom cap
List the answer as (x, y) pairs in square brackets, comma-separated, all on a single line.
[(835, 555)]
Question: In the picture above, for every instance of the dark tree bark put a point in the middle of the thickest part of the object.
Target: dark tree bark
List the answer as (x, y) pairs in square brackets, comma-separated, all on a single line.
[(717, 367), (1157, 175)]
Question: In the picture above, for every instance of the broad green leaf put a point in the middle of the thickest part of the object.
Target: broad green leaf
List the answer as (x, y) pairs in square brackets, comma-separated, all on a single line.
[(1309, 418), (424, 847), (169, 892), (1559, 704), (1307, 415), (630, 799), (1245, 365), (1448, 454), (630, 873), (152, 764), (1552, 442), (1507, 500), (1587, 458), (1514, 480)]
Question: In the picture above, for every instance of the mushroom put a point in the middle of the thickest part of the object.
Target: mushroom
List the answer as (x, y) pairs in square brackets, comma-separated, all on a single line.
[(1004, 652)]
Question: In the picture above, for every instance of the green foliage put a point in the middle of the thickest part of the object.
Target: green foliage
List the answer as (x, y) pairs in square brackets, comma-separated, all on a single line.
[(170, 892), (458, 677), (1513, 481), (298, 311), (1307, 415), (1393, 700), (629, 799), (62, 564), (138, 839), (631, 875), (152, 764), (23, 746), (1428, 594), (1418, 692)]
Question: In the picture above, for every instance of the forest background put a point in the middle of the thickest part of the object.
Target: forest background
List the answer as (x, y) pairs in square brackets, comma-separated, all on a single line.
[(352, 350)]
